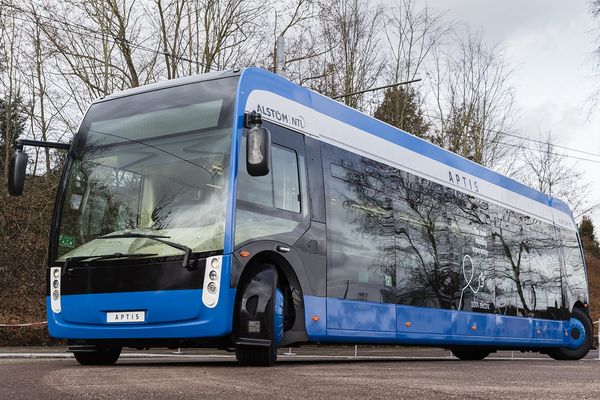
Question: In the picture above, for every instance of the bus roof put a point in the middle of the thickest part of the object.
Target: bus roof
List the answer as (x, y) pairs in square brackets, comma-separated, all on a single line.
[(171, 83)]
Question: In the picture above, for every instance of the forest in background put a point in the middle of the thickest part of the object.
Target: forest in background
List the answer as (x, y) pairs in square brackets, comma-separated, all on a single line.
[(57, 57)]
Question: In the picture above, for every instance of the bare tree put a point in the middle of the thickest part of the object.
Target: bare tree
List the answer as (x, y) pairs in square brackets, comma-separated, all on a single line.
[(474, 101), (227, 28), (10, 125), (412, 35), (171, 19), (349, 28), (548, 170), (100, 48)]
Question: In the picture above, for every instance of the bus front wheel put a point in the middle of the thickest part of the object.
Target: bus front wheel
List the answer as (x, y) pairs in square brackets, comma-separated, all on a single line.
[(260, 316), (580, 338), (256, 356), (102, 356)]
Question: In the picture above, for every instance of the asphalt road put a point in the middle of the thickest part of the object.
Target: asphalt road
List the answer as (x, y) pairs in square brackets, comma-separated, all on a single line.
[(320, 375)]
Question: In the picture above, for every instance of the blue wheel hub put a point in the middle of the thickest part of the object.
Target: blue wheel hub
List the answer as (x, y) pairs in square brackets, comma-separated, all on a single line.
[(577, 334), (278, 316)]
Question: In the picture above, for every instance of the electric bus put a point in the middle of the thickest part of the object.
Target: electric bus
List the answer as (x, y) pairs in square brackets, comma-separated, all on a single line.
[(240, 211)]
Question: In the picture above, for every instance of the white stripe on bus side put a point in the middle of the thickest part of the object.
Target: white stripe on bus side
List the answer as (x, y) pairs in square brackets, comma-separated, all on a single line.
[(298, 117)]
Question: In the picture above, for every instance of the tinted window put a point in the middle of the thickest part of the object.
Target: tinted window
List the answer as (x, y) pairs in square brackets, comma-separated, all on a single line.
[(360, 229), (273, 206), (155, 161), (542, 280), (398, 238), (285, 179), (472, 251), (280, 188), (426, 271), (575, 277), (510, 253)]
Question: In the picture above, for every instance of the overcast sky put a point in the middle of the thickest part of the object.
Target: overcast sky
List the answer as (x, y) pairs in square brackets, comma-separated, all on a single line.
[(551, 45)]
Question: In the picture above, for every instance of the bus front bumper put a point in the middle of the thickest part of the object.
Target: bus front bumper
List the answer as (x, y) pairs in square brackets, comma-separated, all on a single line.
[(173, 314)]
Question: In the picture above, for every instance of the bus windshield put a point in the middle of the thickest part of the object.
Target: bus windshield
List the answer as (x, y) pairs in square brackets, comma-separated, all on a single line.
[(151, 164)]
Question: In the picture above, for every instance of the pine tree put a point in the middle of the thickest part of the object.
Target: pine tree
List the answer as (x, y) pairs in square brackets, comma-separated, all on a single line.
[(12, 126), (588, 238), (401, 107)]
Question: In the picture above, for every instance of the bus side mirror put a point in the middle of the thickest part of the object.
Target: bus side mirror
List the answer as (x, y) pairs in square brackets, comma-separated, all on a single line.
[(16, 172), (258, 148)]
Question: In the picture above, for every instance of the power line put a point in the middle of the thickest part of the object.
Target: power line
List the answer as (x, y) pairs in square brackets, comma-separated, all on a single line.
[(529, 139), (375, 102), (376, 88), (521, 147)]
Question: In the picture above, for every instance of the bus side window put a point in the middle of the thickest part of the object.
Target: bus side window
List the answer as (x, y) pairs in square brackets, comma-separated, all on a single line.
[(285, 179), (280, 188), (574, 272), (272, 206)]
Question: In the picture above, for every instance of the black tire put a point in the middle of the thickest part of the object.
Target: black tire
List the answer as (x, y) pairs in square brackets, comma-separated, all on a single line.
[(470, 355), (105, 356), (565, 353), (256, 356)]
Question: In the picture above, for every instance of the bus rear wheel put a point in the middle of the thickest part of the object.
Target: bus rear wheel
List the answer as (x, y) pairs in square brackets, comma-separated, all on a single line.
[(581, 338), (470, 355), (102, 356)]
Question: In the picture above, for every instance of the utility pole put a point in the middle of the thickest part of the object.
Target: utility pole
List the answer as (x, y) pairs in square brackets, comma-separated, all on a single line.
[(280, 56)]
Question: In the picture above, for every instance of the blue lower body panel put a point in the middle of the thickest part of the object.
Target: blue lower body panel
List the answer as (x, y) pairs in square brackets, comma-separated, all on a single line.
[(337, 320), (169, 314)]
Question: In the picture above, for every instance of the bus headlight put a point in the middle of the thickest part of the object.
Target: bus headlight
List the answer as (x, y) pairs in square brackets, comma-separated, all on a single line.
[(212, 273), (55, 303), (212, 287)]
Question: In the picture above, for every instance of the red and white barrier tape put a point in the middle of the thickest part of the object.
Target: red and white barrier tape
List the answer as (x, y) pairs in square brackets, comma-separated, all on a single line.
[(19, 325)]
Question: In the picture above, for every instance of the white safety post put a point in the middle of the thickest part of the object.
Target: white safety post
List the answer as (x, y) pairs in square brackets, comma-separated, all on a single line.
[(598, 339), (178, 351), (355, 350), (289, 353), (598, 322)]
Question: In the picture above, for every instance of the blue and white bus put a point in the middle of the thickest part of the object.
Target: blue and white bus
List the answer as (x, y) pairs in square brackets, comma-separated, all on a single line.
[(237, 210)]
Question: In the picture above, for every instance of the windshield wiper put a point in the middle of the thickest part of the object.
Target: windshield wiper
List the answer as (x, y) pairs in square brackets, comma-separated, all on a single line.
[(103, 257), (187, 250)]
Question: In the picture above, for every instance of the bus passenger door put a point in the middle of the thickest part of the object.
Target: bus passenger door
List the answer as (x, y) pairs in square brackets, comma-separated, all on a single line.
[(360, 247)]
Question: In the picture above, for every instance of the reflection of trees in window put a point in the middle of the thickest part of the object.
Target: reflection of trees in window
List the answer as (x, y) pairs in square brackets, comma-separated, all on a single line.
[(527, 272), (509, 289), (472, 250), (361, 231), (109, 200), (422, 240), (542, 285), (413, 235), (574, 271)]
